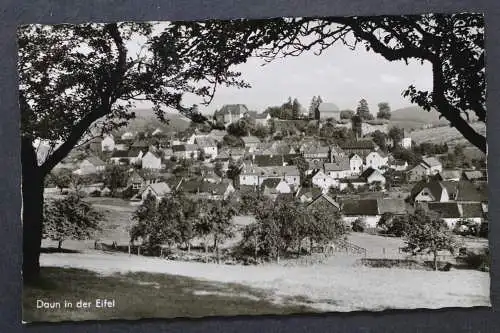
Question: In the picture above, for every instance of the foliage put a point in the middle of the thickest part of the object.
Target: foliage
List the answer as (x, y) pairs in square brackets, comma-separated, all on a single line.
[(428, 148), (407, 155), (232, 141), (115, 177), (363, 111), (356, 125), (61, 178), (260, 131), (380, 140), (218, 169), (393, 225), (301, 164), (384, 111), (396, 134), (296, 109), (274, 111), (359, 225), (347, 114), (467, 227), (313, 106), (427, 233), (70, 218)]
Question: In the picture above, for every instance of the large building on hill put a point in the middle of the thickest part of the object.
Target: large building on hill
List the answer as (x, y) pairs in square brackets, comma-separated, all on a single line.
[(327, 111), (230, 113)]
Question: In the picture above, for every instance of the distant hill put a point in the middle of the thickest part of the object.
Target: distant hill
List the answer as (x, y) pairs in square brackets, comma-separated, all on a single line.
[(415, 117), (145, 118)]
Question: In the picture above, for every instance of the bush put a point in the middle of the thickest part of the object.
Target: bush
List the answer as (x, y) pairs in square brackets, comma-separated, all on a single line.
[(359, 225), (95, 193), (479, 261)]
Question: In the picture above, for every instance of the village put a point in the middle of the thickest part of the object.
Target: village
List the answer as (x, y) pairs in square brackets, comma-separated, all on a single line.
[(318, 158)]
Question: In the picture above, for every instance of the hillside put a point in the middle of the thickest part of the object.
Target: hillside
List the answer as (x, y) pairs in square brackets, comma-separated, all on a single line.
[(414, 117), (146, 119)]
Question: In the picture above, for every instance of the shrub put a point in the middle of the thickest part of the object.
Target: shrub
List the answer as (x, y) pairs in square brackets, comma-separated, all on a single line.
[(95, 193), (479, 261), (359, 225)]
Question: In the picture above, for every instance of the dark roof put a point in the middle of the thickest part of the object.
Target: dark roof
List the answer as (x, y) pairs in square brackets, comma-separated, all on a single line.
[(361, 144), (311, 192), (434, 187), (270, 182), (445, 209), (120, 153), (338, 165), (283, 197), (470, 210), (472, 175), (326, 198), (394, 206), (468, 191), (288, 158), (367, 173), (360, 207), (235, 109), (268, 160), (140, 143), (134, 151)]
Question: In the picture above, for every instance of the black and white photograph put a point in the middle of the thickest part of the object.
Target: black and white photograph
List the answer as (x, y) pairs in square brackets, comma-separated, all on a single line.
[(294, 165)]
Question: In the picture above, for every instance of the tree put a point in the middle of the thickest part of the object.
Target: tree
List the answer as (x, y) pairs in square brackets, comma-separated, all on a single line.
[(427, 233), (313, 106), (274, 111), (80, 81), (146, 222), (218, 169), (301, 164), (380, 140), (356, 125), (346, 114), (115, 177), (363, 111), (396, 134), (260, 131), (384, 111), (61, 178), (296, 109), (70, 218), (393, 225)]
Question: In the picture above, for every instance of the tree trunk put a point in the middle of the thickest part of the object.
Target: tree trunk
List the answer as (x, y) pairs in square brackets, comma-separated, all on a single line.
[(435, 261), (59, 245), (32, 211), (189, 246), (216, 249)]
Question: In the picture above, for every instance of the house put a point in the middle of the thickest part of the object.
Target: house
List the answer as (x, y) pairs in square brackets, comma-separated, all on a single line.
[(398, 165), (317, 153), (254, 175), (135, 181), (376, 160), (452, 212), (251, 142), (338, 169), (108, 143), (355, 164), (206, 190), (433, 165), (217, 135), (262, 118), (158, 190), (323, 181), (406, 142), (468, 191), (449, 175), (135, 155), (236, 153), (417, 173), (373, 176), (91, 165), (327, 111), (355, 182), (208, 146), (186, 151), (324, 203), (371, 210), (151, 160), (120, 157), (272, 186), (308, 194), (230, 113), (429, 192)]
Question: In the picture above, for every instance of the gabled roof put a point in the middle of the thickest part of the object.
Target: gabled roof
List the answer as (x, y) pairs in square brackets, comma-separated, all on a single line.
[(234, 109), (134, 151), (205, 142), (449, 174), (153, 154), (394, 206), (369, 172), (471, 210), (134, 177), (271, 182), (309, 192), (314, 165), (317, 150), (434, 187), (468, 191), (445, 209), (327, 198), (473, 175), (159, 188)]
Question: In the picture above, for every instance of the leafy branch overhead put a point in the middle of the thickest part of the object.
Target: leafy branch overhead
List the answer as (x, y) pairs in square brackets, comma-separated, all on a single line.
[(452, 44)]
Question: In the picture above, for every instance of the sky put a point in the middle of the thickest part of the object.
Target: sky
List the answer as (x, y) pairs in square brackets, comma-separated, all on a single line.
[(339, 76)]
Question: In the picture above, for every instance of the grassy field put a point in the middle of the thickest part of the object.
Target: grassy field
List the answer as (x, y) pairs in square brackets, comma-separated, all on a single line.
[(143, 295), (447, 134)]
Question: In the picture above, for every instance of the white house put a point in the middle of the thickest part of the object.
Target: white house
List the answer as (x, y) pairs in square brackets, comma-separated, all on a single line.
[(376, 160), (251, 142), (356, 164), (208, 146), (274, 186), (151, 160), (371, 210), (372, 176), (323, 181), (338, 169), (108, 143), (262, 118), (453, 212), (158, 190), (398, 165), (186, 151), (433, 191), (254, 175), (91, 165), (406, 142), (433, 165)]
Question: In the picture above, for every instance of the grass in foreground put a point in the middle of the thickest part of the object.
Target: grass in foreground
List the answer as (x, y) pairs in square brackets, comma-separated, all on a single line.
[(143, 295)]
